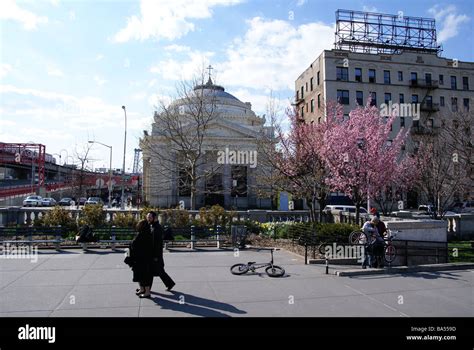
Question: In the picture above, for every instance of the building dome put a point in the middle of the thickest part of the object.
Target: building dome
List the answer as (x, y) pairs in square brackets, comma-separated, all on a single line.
[(209, 89), (228, 106)]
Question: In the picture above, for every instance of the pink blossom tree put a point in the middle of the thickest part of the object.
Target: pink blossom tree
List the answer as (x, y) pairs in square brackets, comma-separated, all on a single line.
[(359, 156)]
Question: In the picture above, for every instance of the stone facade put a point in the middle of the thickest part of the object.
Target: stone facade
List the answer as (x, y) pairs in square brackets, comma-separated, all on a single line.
[(233, 135)]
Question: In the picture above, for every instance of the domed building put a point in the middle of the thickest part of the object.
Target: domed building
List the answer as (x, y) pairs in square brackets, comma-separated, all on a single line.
[(203, 150)]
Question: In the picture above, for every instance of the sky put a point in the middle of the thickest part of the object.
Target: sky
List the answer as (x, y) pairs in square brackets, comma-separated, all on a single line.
[(68, 67)]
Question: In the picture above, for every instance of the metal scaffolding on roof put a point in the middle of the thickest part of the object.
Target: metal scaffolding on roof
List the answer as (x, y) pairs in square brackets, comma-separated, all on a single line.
[(369, 32)]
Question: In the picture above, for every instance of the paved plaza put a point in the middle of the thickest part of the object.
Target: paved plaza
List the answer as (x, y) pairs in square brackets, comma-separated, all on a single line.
[(98, 283)]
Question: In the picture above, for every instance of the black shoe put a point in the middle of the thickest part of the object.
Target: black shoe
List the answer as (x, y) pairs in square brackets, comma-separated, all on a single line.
[(143, 295), (139, 291), (170, 287)]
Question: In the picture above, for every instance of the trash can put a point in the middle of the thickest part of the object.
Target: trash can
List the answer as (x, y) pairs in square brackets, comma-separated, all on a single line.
[(239, 235)]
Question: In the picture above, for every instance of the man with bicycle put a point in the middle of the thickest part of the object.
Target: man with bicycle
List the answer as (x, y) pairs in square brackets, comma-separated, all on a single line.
[(375, 244)]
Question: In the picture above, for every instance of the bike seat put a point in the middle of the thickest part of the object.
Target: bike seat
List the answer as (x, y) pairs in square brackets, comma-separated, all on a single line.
[(251, 262)]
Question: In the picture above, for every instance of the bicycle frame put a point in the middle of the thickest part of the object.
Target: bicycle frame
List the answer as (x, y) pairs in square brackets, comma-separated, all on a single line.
[(255, 266)]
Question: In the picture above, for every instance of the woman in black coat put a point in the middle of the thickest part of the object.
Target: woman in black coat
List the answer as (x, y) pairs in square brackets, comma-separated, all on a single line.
[(146, 256), (142, 259)]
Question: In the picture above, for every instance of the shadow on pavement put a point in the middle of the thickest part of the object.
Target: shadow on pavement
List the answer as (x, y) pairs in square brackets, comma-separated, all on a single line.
[(194, 305)]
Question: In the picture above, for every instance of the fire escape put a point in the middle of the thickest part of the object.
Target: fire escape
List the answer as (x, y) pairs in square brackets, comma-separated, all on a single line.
[(426, 125)]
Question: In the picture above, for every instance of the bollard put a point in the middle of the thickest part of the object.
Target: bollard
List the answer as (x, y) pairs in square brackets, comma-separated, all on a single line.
[(327, 265), (306, 254), (218, 230), (192, 237)]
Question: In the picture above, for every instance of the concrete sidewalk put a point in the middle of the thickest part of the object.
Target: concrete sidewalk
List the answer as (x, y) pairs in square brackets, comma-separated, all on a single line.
[(98, 283)]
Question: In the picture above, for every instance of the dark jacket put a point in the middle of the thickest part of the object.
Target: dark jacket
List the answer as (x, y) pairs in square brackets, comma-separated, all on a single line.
[(146, 252)]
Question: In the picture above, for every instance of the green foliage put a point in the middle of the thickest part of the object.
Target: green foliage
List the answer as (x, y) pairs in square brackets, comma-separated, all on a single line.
[(59, 216), (296, 229), (325, 230), (180, 238), (146, 209), (92, 215), (252, 226), (215, 215), (175, 217), (125, 220), (333, 230), (277, 229)]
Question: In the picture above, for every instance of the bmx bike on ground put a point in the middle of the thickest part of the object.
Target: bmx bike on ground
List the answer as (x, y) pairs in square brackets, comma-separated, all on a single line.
[(271, 269)]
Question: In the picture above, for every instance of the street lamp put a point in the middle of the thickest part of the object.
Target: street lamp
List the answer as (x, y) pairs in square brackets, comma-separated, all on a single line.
[(110, 170), (122, 202), (67, 154)]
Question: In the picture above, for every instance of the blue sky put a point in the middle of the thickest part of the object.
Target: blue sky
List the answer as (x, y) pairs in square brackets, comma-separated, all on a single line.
[(67, 67)]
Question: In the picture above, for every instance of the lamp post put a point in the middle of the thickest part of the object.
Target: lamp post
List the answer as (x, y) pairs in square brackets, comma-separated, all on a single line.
[(67, 154), (122, 202), (110, 171), (59, 177)]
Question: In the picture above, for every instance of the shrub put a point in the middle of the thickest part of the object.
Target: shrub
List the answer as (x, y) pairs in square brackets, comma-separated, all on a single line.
[(253, 227), (276, 229), (336, 230), (296, 229), (92, 215), (215, 215), (124, 220), (145, 210), (175, 217), (59, 216)]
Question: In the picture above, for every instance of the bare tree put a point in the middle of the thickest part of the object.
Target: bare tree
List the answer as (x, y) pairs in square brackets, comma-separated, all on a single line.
[(81, 160), (179, 143), (448, 162)]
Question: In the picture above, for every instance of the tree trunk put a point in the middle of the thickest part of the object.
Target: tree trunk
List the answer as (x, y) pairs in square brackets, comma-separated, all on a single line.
[(358, 205), (193, 187), (322, 205), (312, 212)]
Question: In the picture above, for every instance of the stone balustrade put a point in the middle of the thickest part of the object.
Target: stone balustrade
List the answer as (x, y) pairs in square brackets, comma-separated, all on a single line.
[(27, 216)]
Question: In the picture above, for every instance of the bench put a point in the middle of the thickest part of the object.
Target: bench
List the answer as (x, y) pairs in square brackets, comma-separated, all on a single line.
[(112, 233), (30, 231), (197, 235)]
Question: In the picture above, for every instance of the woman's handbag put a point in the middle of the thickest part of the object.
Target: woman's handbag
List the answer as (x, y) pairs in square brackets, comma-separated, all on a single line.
[(129, 261)]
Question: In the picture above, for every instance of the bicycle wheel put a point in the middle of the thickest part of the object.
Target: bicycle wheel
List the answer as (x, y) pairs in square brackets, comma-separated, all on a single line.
[(239, 269), (357, 237), (322, 248), (390, 253), (275, 271)]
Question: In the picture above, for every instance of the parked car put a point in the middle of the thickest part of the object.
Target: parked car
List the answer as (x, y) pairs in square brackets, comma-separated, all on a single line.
[(66, 201), (82, 201), (427, 208), (349, 208), (48, 202), (33, 201), (94, 200)]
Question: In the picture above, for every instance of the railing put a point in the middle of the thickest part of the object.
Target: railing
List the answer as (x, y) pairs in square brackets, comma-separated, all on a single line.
[(21, 216), (429, 107), (424, 83)]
